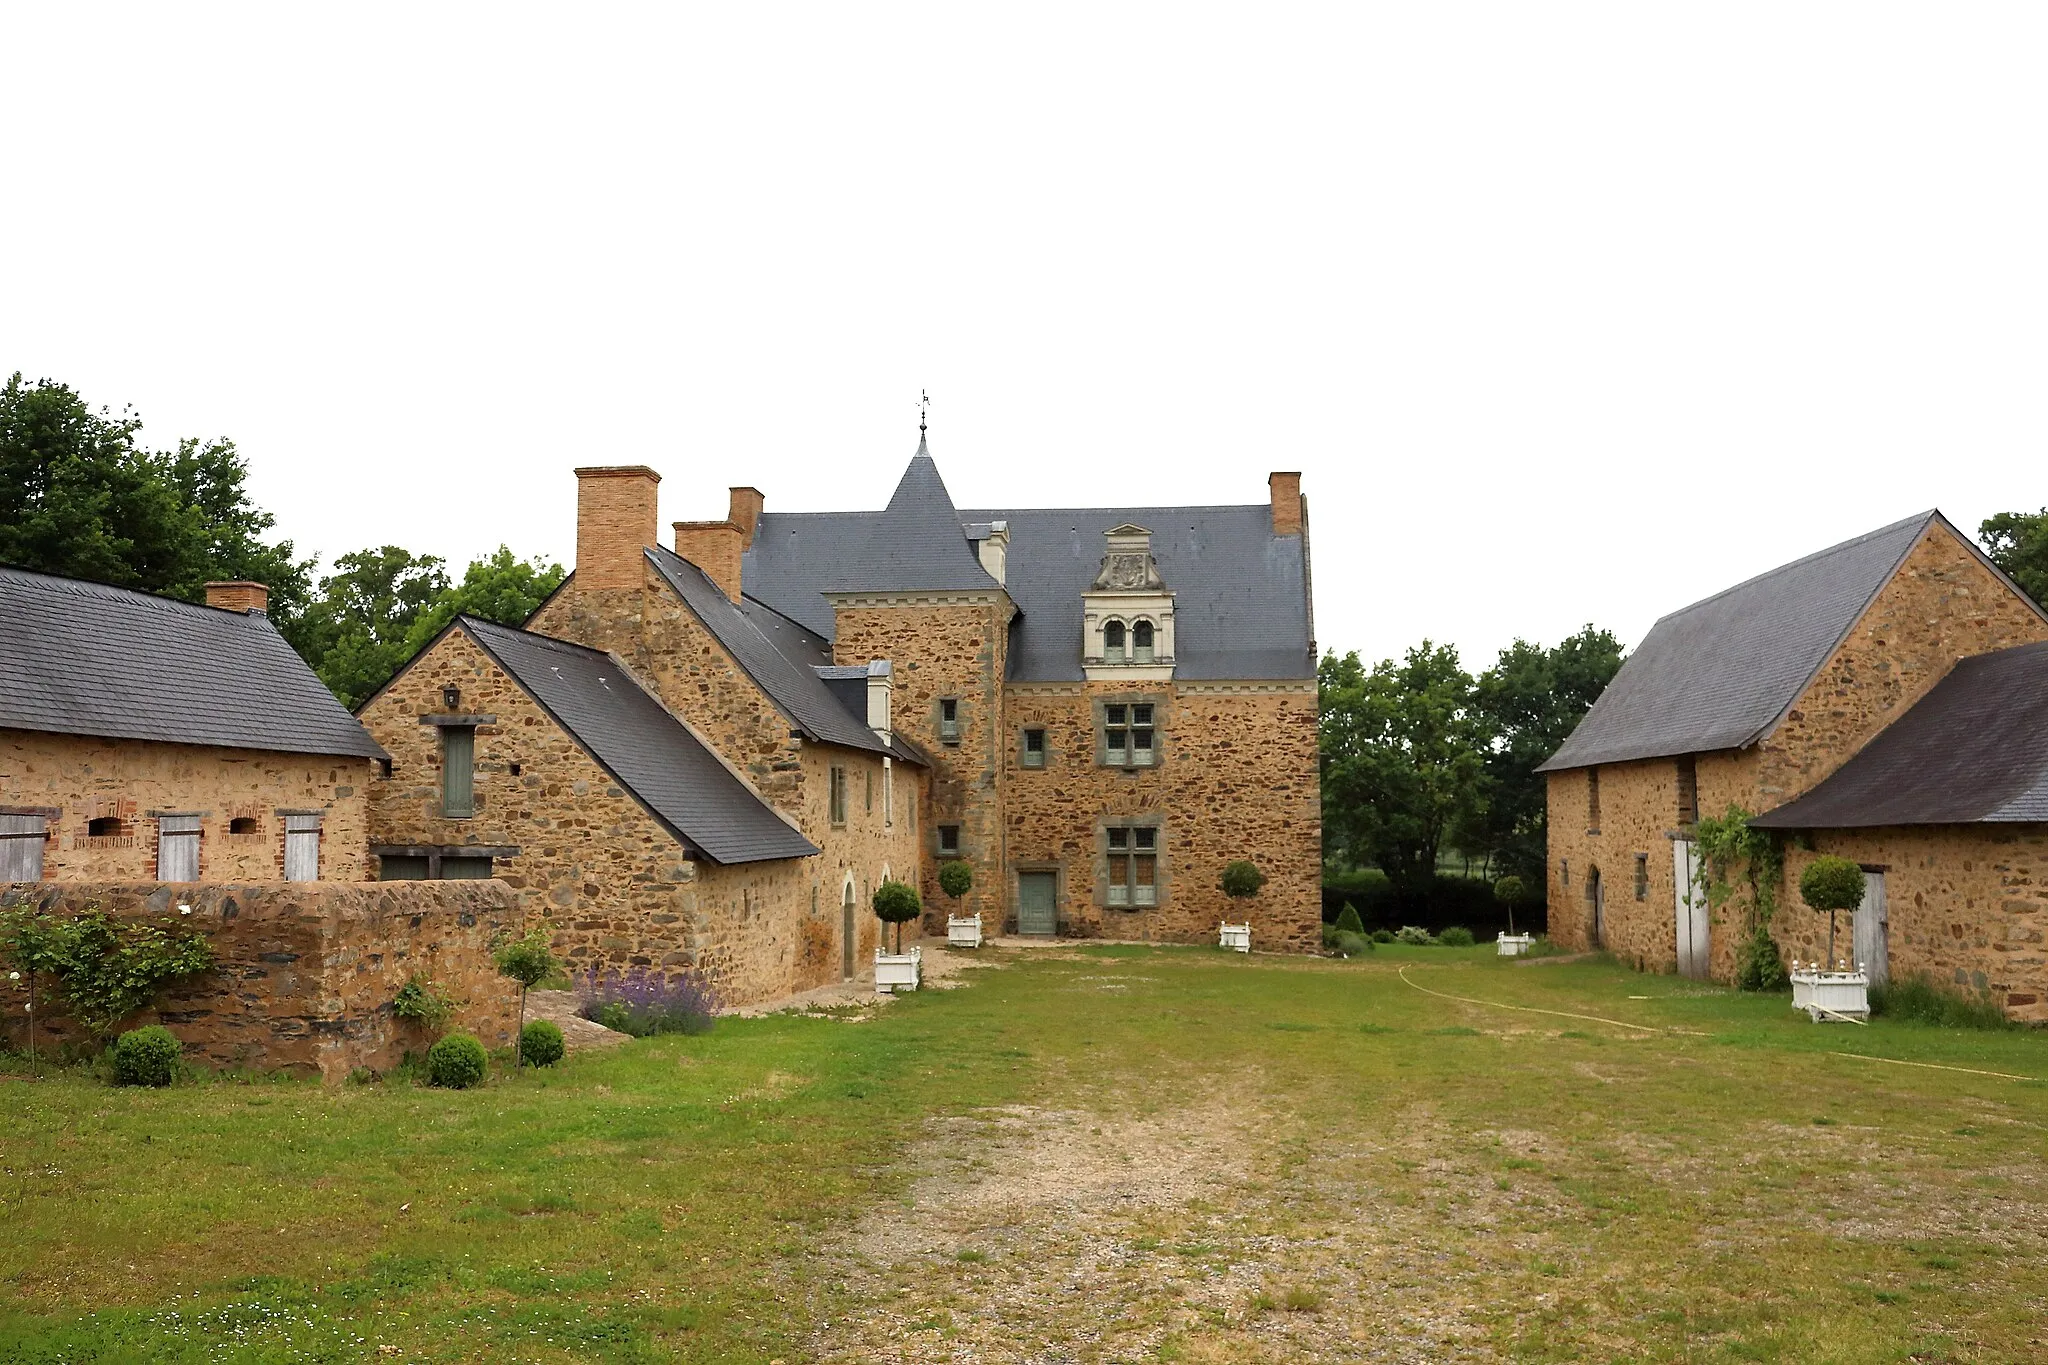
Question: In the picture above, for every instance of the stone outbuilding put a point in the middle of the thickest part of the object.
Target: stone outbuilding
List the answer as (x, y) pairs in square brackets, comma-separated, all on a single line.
[(146, 739), (1753, 698)]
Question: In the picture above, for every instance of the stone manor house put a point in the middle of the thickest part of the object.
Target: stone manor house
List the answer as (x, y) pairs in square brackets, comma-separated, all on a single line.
[(1885, 700), (708, 754)]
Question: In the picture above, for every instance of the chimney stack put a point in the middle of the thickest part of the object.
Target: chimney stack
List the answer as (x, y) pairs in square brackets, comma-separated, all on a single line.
[(714, 547), (239, 595), (1286, 491), (745, 513), (616, 519)]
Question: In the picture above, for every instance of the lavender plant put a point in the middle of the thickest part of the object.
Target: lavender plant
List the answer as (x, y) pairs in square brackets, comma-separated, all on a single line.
[(645, 1003)]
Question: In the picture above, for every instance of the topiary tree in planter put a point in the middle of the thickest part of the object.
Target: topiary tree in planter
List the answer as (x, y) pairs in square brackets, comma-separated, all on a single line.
[(1242, 880), (529, 961), (896, 903), (956, 879), (1831, 884), (1510, 892)]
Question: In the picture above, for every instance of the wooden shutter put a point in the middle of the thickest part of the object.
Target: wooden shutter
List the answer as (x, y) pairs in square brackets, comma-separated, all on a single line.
[(458, 772), (177, 848), (21, 847), (302, 848)]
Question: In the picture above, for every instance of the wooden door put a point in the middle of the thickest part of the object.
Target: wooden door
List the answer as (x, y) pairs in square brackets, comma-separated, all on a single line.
[(21, 847), (177, 848), (846, 933), (1038, 902), (1871, 920), (1692, 911), (302, 848)]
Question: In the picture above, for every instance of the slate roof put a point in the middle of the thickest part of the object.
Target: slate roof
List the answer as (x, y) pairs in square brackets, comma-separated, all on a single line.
[(1973, 750), (82, 658), (792, 685), (1241, 593), (650, 753), (1719, 673)]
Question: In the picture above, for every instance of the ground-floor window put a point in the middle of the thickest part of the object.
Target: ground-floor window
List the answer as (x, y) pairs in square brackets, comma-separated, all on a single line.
[(1133, 865), (431, 864), (177, 848)]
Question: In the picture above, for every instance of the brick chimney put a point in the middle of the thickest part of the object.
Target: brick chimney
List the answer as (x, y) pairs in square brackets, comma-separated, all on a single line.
[(1286, 491), (714, 547), (746, 513), (240, 595), (616, 519)]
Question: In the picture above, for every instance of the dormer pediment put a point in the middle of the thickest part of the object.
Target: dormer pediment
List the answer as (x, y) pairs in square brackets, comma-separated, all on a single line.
[(1127, 612)]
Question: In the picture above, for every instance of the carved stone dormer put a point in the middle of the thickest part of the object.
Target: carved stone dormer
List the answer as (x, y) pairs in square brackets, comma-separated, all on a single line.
[(1127, 613)]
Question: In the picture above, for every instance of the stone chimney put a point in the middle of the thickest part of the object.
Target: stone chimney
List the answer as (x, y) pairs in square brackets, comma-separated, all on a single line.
[(1286, 491), (240, 595), (714, 547), (616, 519), (995, 551), (745, 513), (878, 698)]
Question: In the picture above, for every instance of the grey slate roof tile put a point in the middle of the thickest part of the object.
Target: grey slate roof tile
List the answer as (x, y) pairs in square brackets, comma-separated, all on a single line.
[(1973, 750), (793, 686), (1719, 673), (83, 658), (1241, 605), (651, 754)]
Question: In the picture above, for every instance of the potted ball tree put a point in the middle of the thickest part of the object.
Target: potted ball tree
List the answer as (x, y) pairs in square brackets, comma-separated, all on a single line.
[(1510, 891), (1824, 989), (896, 903), (956, 879), (1241, 881)]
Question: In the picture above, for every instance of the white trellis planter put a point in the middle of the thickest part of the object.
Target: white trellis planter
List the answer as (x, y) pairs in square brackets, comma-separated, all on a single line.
[(963, 931), (1828, 995), (1238, 936), (897, 971), (1514, 945)]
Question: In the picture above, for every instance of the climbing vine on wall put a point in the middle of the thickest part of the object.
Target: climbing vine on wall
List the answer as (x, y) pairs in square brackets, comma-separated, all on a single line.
[(1728, 847), (108, 968)]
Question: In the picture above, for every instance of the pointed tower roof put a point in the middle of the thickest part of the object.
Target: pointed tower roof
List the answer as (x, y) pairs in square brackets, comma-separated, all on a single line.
[(916, 544)]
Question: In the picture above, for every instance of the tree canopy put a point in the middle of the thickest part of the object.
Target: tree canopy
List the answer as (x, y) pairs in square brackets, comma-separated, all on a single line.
[(2018, 543)]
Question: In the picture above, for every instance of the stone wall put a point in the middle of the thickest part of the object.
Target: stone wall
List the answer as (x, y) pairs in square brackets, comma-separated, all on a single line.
[(1234, 777), (84, 778), (1967, 907), (306, 971), (941, 650), (1941, 606)]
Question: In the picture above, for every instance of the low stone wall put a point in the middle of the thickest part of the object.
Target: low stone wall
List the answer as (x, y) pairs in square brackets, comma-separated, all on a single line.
[(305, 972)]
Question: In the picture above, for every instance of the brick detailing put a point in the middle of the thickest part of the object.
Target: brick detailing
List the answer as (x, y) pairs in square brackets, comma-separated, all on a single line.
[(715, 547), (306, 971), (1285, 489), (616, 518), (1941, 606), (83, 778), (1234, 777), (744, 511), (240, 595)]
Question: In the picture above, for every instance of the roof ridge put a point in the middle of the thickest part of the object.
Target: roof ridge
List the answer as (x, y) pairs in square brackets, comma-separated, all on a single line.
[(553, 641), (66, 582), (1922, 518)]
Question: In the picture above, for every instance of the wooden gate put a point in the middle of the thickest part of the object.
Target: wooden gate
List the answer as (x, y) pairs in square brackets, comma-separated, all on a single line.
[(1872, 919), (1693, 943)]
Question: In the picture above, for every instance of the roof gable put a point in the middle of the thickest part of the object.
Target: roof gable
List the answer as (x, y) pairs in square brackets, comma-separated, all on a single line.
[(653, 755), (1974, 749), (89, 659), (1720, 673)]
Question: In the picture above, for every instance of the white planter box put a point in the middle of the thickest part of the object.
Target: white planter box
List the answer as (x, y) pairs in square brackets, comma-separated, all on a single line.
[(1514, 945), (897, 971), (1238, 936), (1830, 995), (963, 932)]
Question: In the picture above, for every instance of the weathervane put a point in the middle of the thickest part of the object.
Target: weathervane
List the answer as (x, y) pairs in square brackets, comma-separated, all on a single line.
[(924, 406)]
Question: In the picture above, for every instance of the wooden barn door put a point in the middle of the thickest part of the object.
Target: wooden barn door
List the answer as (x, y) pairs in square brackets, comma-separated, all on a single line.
[(1872, 918), (1692, 911), (177, 848)]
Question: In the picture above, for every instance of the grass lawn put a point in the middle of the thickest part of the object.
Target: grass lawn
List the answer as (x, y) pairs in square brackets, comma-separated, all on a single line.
[(1089, 1154)]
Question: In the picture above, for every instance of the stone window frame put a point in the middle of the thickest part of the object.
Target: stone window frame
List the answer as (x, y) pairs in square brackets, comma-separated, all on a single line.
[(835, 796), (1157, 823), (1123, 759), (1127, 649), (1642, 876), (1024, 751), (939, 841), (453, 806), (1593, 799), (948, 728), (1687, 773)]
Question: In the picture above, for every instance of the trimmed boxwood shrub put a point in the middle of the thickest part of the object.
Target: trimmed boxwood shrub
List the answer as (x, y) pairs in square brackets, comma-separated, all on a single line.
[(1348, 921), (540, 1043), (1457, 936), (457, 1062), (147, 1056), (1242, 880)]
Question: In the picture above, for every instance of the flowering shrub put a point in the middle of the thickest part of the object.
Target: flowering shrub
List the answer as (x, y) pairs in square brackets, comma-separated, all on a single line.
[(1414, 934), (645, 1003)]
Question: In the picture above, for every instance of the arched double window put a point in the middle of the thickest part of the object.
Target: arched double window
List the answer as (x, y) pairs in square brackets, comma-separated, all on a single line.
[(1113, 643), (1141, 643)]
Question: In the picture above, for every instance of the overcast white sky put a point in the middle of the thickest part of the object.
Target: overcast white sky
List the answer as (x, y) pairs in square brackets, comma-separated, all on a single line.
[(1567, 313)]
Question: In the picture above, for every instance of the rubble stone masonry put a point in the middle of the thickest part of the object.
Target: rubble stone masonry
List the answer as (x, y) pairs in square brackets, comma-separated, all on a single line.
[(306, 972), (76, 779)]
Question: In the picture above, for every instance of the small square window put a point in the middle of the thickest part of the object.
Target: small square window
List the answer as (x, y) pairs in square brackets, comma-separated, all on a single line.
[(949, 840), (1034, 749), (949, 720)]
